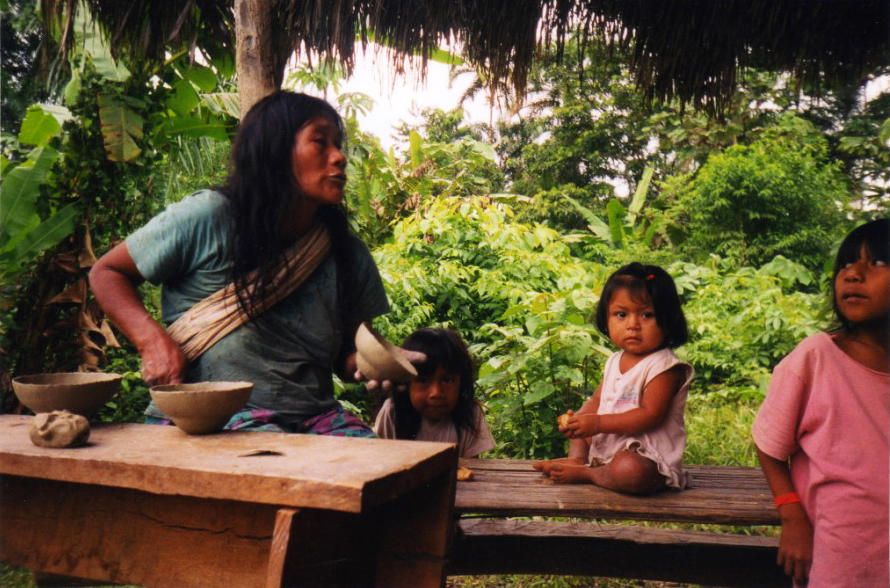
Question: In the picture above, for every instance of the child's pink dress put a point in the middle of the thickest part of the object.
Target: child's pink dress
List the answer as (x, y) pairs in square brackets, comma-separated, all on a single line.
[(831, 416), (621, 393)]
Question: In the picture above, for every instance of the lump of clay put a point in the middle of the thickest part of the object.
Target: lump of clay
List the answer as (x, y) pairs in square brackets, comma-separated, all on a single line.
[(59, 428)]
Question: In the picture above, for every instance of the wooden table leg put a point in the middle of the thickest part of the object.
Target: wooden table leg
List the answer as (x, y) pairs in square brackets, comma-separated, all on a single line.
[(415, 536), (320, 548)]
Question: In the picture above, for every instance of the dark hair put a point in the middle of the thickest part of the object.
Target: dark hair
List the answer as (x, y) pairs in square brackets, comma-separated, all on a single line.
[(652, 282), (875, 237), (261, 187), (446, 349)]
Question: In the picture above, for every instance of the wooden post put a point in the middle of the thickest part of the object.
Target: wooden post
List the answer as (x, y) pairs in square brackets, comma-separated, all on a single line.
[(259, 65)]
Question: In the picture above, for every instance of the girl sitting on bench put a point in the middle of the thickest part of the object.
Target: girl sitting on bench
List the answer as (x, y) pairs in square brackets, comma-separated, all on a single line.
[(630, 436), (822, 432), (440, 403)]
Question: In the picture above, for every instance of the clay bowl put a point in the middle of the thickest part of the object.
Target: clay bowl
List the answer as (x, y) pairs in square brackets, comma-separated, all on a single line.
[(378, 359), (201, 407), (82, 393)]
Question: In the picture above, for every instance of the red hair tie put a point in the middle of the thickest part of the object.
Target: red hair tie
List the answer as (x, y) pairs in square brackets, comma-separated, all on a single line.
[(650, 277)]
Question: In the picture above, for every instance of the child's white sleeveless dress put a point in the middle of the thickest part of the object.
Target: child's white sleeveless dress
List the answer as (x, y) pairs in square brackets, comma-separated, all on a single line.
[(621, 393)]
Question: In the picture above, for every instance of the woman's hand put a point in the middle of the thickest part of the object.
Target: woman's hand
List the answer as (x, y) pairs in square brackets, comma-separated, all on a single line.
[(413, 357), (796, 542), (163, 362)]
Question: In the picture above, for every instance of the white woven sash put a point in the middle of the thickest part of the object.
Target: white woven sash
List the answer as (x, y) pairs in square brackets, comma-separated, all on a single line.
[(211, 319)]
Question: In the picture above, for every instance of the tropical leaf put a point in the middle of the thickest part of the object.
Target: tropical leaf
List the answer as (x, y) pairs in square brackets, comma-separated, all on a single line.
[(21, 188), (47, 233), (884, 132), (414, 148), (38, 127), (192, 126), (183, 99), (97, 49), (72, 88), (223, 103), (485, 150), (446, 57), (616, 214), (636, 204), (594, 223), (121, 128), (201, 76)]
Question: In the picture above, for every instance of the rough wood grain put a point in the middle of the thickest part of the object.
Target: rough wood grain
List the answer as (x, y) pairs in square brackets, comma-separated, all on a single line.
[(414, 535), (322, 548), (311, 471), (127, 536), (590, 549), (720, 495)]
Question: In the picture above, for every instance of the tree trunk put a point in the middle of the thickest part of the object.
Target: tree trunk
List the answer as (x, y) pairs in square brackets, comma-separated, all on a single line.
[(260, 67)]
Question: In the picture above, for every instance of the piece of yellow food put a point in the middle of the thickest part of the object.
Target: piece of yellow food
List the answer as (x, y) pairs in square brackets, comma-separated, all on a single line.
[(563, 421), (464, 474)]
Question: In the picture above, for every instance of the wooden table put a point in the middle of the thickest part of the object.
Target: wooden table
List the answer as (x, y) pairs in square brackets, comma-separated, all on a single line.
[(150, 505)]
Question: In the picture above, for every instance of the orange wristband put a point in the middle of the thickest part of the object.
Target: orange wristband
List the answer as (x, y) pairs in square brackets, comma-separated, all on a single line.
[(787, 498)]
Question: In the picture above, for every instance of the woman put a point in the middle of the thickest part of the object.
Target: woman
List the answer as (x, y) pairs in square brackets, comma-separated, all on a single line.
[(283, 198)]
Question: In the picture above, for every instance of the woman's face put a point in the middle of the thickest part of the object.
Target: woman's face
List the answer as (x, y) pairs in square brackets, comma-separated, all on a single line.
[(318, 163)]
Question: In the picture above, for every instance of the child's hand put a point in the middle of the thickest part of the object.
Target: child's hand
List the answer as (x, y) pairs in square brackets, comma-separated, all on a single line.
[(580, 426), (796, 543)]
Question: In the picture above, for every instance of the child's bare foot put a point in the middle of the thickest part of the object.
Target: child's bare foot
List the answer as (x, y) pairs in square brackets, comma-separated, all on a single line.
[(569, 473), (545, 466)]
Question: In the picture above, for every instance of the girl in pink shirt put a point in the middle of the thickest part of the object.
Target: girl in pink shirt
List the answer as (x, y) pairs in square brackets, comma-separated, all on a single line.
[(822, 432)]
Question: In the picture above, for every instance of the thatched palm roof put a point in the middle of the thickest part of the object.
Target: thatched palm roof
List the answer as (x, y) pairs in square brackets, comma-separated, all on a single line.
[(688, 49)]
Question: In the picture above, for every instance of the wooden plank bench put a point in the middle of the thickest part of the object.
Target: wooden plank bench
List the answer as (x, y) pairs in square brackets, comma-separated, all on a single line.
[(489, 541)]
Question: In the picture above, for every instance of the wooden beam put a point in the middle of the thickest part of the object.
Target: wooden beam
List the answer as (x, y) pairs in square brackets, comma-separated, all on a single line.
[(484, 546)]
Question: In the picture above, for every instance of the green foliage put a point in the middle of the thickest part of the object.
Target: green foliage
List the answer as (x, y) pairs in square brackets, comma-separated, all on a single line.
[(20, 86), (743, 321), (519, 297), (863, 144), (24, 235), (718, 431), (93, 184), (386, 186), (525, 301), (777, 196)]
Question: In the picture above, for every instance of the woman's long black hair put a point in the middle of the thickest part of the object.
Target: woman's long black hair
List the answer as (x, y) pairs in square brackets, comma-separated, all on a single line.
[(260, 189), (446, 349)]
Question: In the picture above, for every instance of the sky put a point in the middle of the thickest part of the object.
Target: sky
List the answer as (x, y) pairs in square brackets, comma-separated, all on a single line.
[(400, 98)]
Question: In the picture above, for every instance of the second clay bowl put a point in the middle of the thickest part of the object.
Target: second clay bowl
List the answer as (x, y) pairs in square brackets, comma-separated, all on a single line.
[(82, 393), (201, 407), (378, 359)]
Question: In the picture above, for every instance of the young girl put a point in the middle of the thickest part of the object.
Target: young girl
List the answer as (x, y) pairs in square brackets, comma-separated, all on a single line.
[(629, 436), (439, 404), (822, 432)]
